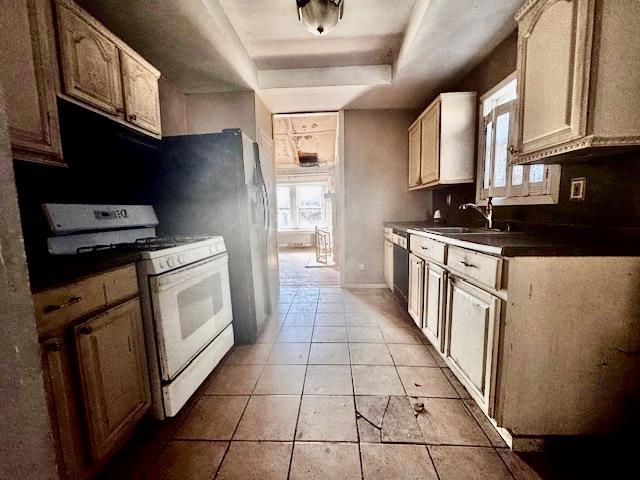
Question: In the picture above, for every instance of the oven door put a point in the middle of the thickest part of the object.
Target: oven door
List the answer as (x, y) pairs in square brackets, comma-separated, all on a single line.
[(191, 306)]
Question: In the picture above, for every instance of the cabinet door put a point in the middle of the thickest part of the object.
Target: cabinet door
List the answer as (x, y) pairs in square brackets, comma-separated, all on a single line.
[(113, 370), (90, 60), (430, 145), (434, 297), (416, 282), (554, 47), (28, 77), (141, 97), (57, 364), (388, 263), (472, 325), (414, 155)]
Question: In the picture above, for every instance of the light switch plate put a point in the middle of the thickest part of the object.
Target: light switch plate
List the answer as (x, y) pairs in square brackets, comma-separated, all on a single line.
[(578, 189)]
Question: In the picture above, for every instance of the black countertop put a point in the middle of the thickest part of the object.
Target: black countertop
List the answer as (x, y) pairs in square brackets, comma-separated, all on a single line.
[(51, 271), (405, 226), (520, 244)]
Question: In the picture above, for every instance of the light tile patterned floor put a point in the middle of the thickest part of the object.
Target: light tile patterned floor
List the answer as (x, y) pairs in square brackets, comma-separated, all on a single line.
[(293, 271), (315, 399)]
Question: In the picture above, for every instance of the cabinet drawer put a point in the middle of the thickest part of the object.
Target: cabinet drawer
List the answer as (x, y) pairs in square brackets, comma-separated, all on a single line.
[(486, 269), (428, 248), (399, 240), (57, 306)]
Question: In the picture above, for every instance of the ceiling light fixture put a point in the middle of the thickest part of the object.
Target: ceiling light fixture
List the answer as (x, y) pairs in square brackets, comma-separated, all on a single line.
[(320, 16)]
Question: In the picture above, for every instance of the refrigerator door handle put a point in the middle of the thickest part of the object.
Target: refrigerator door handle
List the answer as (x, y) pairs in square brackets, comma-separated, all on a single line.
[(267, 209)]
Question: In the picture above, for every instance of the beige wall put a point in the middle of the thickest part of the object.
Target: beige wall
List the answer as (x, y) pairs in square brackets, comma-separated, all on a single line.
[(172, 109), (26, 441), (263, 119), (497, 66), (375, 184), (213, 112)]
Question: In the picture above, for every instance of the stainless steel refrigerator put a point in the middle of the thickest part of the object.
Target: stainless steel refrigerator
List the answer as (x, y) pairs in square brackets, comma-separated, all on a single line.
[(214, 184)]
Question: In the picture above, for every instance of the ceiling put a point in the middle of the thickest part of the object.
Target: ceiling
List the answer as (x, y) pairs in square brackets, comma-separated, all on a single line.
[(383, 54), (312, 133), (275, 39)]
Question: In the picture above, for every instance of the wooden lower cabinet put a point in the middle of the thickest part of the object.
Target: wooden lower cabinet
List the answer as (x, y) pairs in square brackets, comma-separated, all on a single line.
[(58, 361), (433, 315), (98, 386), (388, 263), (114, 376), (472, 324), (416, 283)]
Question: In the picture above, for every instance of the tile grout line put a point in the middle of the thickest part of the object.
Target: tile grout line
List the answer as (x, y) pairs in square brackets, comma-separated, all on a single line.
[(295, 430), (237, 425), (355, 415)]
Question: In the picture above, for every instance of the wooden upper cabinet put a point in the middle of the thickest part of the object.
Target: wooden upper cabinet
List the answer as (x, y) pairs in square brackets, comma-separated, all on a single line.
[(414, 155), (141, 95), (114, 376), (441, 142), (102, 72), (90, 60), (552, 69), (28, 76), (577, 79), (430, 152)]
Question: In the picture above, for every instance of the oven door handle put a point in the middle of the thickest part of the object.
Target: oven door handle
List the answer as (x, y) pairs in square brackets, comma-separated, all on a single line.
[(165, 281)]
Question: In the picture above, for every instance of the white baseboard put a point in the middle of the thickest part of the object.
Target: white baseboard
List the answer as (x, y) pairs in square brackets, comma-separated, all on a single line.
[(365, 285)]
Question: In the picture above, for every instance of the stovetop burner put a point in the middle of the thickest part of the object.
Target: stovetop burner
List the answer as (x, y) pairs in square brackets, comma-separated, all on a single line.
[(147, 244)]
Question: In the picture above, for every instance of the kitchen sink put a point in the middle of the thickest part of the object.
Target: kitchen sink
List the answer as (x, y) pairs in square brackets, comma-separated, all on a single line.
[(459, 230)]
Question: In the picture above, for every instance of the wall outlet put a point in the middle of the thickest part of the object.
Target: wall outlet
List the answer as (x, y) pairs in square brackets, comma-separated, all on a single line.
[(361, 267), (578, 189)]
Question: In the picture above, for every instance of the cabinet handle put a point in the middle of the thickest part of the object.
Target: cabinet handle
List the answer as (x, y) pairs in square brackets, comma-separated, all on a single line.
[(54, 308), (424, 248), (54, 346), (133, 118), (119, 110), (86, 330), (470, 265)]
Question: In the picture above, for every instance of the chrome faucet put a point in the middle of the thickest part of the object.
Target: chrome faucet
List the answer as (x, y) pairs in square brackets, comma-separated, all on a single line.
[(486, 212)]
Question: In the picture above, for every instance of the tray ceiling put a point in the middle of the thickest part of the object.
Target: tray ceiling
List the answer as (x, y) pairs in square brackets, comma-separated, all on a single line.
[(384, 54)]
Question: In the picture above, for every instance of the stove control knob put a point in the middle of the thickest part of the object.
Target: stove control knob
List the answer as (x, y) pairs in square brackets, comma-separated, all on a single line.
[(171, 262), (180, 259)]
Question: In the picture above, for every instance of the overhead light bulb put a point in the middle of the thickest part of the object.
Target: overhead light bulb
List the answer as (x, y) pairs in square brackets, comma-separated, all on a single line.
[(320, 16)]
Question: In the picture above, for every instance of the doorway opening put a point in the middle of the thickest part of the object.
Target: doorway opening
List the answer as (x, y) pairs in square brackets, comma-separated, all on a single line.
[(307, 182)]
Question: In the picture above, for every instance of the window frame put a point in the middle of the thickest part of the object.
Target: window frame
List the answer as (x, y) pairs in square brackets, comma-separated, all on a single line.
[(539, 193), (294, 209)]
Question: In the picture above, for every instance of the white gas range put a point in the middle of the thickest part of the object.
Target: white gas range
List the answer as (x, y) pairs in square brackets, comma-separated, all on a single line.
[(184, 291)]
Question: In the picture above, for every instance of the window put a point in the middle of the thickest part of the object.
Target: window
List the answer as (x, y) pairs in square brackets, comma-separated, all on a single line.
[(509, 184), (301, 206)]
